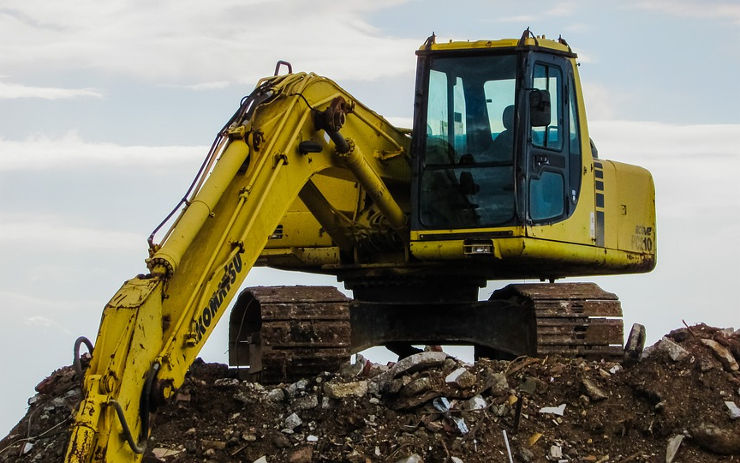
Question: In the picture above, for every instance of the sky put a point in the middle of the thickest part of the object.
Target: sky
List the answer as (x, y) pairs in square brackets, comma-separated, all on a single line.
[(107, 108)]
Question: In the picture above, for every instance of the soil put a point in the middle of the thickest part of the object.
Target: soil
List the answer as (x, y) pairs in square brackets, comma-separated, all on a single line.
[(437, 409)]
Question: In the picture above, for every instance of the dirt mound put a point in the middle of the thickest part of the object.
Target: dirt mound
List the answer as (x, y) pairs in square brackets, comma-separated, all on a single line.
[(681, 398)]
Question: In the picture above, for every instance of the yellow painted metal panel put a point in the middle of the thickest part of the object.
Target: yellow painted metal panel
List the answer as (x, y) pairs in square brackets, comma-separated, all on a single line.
[(492, 44)]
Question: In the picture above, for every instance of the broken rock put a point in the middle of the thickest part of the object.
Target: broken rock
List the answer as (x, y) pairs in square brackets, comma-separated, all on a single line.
[(162, 453), (499, 384), (352, 370), (416, 387), (724, 355), (413, 458), (292, 421), (276, 395), (556, 451), (306, 402), (593, 391), (716, 439), (461, 378), (674, 351), (475, 403), (529, 385), (672, 449), (302, 455), (410, 364), (297, 387), (342, 390), (226, 382), (733, 409)]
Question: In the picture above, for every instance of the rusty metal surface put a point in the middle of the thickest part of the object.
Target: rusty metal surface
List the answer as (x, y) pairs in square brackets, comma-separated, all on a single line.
[(557, 291), (288, 332), (294, 331), (292, 294), (571, 318)]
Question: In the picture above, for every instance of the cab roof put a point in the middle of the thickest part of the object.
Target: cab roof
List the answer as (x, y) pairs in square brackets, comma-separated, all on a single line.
[(527, 41)]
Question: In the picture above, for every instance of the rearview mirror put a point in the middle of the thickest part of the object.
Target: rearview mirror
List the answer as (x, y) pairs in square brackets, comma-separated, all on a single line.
[(539, 107)]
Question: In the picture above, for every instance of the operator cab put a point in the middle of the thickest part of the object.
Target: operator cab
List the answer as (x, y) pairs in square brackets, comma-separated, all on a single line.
[(501, 143)]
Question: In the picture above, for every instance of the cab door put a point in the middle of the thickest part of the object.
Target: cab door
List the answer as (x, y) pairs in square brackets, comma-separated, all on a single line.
[(549, 198)]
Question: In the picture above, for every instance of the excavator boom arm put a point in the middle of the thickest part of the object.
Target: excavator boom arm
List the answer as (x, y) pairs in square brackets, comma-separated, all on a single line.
[(155, 325)]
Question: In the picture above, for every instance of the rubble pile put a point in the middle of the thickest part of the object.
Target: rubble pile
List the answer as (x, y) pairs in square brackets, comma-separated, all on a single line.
[(679, 401)]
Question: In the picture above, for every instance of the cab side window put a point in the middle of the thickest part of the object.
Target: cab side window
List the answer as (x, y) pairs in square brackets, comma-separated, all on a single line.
[(549, 78), (547, 180)]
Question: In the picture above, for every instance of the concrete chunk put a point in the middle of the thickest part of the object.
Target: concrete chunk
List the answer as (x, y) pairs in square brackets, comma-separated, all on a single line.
[(407, 365), (594, 392), (499, 384), (724, 355), (672, 449), (417, 362), (475, 403), (733, 409), (293, 421), (413, 458), (343, 390), (673, 350), (307, 402), (276, 395)]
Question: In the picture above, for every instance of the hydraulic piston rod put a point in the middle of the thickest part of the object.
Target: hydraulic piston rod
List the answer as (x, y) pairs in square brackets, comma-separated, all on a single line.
[(166, 259)]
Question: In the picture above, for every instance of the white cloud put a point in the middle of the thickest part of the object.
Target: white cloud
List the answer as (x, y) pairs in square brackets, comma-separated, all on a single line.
[(189, 42), (516, 19), (70, 151), (671, 143), (693, 8), (563, 9), (16, 91), (35, 305), (39, 321), (204, 85), (600, 101), (56, 233), (579, 28), (694, 166), (584, 57)]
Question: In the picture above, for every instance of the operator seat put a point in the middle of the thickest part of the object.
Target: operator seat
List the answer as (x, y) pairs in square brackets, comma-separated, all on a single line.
[(502, 147)]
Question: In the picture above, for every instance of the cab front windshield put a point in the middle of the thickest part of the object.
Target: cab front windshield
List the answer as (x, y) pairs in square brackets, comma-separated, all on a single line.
[(468, 171)]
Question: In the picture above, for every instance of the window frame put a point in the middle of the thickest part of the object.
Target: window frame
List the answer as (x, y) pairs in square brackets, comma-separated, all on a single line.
[(542, 159), (420, 144)]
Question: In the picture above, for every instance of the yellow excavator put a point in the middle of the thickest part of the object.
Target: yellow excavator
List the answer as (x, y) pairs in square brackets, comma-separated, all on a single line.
[(497, 180)]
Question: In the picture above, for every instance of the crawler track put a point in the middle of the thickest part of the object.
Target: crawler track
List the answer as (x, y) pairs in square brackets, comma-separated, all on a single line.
[(296, 331), (293, 332), (572, 319)]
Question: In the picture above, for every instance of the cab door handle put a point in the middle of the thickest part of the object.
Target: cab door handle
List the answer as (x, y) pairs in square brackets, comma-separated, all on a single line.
[(541, 159)]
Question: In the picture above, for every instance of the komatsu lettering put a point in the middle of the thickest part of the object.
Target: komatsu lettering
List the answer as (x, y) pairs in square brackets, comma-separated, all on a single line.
[(208, 313)]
